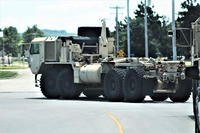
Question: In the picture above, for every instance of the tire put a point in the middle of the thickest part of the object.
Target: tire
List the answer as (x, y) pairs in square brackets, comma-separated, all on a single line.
[(159, 97), (48, 84), (132, 86), (183, 91), (113, 85), (65, 83), (196, 105)]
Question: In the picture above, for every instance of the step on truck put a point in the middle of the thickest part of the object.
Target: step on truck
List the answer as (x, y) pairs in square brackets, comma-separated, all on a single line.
[(87, 64)]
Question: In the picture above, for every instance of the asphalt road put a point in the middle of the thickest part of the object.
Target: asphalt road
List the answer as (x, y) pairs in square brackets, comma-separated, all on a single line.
[(23, 109)]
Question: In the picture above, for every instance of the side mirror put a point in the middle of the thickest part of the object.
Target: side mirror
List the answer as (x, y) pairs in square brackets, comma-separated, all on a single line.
[(192, 72)]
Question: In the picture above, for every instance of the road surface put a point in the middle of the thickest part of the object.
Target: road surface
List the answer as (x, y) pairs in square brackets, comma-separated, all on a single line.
[(23, 109)]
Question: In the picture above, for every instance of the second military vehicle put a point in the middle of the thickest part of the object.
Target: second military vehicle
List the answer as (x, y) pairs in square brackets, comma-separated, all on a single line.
[(194, 72)]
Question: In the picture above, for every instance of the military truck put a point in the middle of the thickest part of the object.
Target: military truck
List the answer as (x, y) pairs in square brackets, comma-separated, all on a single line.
[(194, 72), (87, 64)]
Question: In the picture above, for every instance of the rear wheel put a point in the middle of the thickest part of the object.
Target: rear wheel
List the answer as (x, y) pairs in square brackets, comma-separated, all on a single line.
[(113, 85), (65, 83), (158, 96), (132, 86), (48, 84), (183, 91)]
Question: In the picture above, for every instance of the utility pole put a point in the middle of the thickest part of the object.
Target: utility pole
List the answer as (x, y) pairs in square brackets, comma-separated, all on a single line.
[(128, 30), (146, 30), (174, 31), (117, 26)]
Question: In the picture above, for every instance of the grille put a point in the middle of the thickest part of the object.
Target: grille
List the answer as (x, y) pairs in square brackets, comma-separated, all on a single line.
[(50, 51)]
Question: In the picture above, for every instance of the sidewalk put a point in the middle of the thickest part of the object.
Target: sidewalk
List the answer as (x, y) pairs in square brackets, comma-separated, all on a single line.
[(23, 82)]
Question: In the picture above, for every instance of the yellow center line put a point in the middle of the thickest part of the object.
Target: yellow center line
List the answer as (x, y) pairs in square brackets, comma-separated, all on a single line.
[(116, 121)]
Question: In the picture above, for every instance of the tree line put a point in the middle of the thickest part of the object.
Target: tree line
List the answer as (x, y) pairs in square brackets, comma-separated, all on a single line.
[(160, 43), (12, 39)]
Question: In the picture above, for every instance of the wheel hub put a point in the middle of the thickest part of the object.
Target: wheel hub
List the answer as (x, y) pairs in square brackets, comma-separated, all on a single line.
[(132, 85), (113, 85)]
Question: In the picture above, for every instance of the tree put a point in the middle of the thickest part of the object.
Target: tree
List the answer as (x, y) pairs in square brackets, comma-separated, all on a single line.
[(157, 33), (10, 40), (190, 14), (31, 33)]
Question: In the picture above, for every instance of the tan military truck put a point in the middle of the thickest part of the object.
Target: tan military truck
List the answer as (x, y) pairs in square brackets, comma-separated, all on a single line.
[(87, 64)]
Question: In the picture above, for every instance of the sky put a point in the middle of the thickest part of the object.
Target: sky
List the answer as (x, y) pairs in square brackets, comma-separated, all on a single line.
[(70, 14)]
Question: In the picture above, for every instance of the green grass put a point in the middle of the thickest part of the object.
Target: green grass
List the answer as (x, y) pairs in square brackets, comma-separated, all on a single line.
[(7, 74), (15, 65)]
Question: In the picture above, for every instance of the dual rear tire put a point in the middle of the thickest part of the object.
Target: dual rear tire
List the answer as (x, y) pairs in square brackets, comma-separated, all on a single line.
[(132, 86), (122, 85), (183, 91), (113, 85)]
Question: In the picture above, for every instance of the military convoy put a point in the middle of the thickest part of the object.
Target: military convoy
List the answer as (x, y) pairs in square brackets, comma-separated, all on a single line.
[(87, 64), (194, 72)]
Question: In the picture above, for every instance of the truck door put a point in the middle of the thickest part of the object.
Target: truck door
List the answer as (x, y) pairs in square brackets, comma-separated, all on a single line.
[(34, 61)]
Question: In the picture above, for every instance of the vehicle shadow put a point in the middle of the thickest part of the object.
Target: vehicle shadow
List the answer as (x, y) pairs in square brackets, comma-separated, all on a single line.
[(100, 99), (191, 117)]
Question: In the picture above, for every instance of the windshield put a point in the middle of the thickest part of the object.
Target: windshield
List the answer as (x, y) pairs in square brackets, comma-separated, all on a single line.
[(35, 49)]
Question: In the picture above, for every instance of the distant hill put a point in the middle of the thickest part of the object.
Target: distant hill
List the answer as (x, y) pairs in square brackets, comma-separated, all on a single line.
[(48, 32)]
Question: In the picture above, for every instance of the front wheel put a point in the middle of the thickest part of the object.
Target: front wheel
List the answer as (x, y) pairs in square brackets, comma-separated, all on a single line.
[(65, 83), (48, 84)]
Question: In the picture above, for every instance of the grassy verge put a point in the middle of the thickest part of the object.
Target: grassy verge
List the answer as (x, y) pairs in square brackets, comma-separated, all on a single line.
[(15, 65), (7, 74)]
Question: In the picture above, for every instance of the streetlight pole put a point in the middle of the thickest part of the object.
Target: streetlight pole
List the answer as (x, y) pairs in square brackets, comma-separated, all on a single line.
[(128, 30), (146, 29), (117, 26), (117, 29), (174, 32)]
